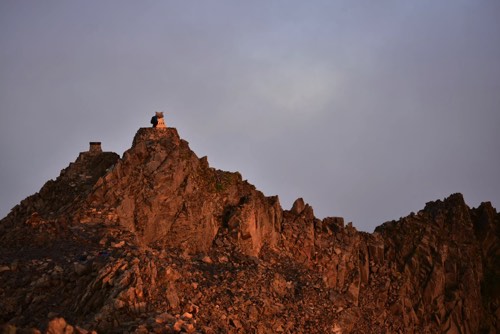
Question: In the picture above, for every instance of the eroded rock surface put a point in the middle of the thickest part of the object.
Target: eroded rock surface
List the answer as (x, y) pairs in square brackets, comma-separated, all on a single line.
[(160, 242)]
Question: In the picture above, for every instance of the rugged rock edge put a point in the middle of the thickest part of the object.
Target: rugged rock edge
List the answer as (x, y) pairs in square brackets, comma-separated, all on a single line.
[(158, 241)]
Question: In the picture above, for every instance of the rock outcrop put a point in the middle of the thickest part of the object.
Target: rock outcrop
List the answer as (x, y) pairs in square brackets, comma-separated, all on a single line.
[(169, 198), (160, 242)]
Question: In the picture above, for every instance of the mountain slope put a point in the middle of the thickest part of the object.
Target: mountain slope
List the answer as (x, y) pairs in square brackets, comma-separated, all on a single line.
[(158, 241)]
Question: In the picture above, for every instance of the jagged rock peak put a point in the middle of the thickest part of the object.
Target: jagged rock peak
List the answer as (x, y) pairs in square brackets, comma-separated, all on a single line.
[(454, 200), (164, 194), (298, 206), (58, 199)]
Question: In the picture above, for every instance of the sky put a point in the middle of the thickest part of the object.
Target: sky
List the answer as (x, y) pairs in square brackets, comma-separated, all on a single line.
[(366, 109)]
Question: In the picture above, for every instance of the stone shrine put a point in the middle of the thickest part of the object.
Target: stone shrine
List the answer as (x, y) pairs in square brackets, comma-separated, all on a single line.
[(161, 121)]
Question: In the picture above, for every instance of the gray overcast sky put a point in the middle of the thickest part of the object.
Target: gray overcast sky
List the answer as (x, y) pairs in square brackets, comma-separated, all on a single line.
[(366, 109)]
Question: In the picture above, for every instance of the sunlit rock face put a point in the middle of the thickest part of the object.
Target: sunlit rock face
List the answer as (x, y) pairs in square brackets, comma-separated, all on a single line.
[(168, 197), (159, 241)]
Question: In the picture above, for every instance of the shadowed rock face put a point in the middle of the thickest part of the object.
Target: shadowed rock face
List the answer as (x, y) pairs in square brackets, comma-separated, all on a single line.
[(440, 256), (158, 241)]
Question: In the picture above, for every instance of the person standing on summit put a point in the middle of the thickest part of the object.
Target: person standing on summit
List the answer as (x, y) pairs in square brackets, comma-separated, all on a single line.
[(154, 121)]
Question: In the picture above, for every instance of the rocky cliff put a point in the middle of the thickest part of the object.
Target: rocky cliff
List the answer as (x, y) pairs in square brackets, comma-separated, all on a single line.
[(160, 242)]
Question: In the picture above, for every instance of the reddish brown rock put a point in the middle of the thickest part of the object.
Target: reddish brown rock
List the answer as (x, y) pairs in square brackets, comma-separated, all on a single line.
[(158, 241)]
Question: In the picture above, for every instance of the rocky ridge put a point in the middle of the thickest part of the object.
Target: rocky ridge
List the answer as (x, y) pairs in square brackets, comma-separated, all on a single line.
[(160, 242)]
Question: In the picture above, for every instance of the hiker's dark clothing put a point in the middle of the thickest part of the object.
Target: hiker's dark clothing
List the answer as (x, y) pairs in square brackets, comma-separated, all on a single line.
[(154, 121)]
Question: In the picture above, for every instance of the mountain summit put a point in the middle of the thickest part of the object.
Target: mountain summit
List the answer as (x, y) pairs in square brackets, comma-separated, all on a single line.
[(160, 242)]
